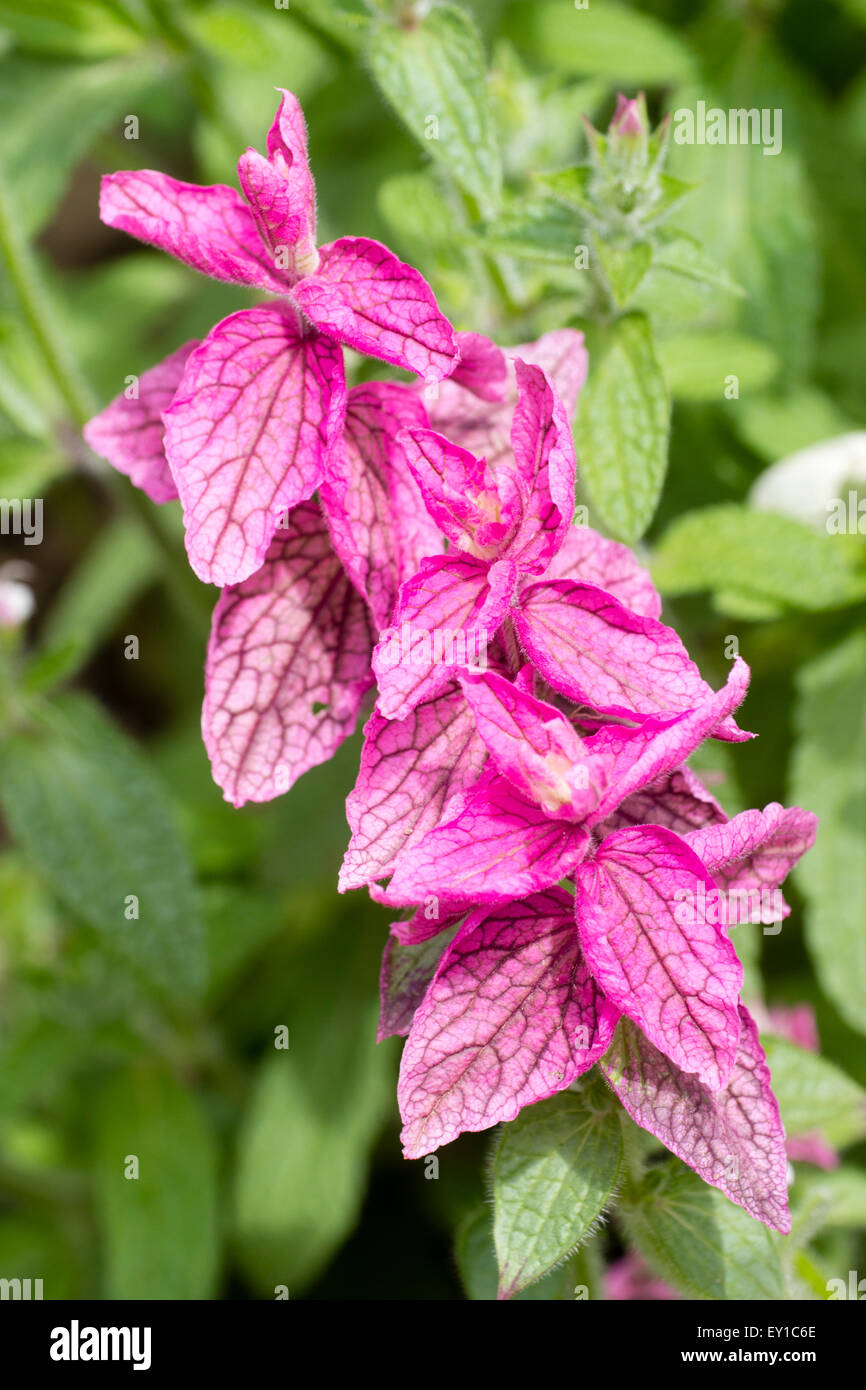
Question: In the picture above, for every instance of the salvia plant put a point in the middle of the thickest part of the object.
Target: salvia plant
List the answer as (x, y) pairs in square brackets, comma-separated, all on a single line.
[(429, 534)]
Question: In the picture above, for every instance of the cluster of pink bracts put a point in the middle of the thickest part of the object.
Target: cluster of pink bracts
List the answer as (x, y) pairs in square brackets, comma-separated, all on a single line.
[(523, 783)]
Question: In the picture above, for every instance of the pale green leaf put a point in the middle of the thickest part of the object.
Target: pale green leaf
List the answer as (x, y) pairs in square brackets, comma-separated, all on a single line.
[(828, 774), (700, 1242), (814, 1094), (603, 39), (622, 427), (434, 75), (160, 1228), (554, 1171), (710, 366), (80, 799), (759, 555)]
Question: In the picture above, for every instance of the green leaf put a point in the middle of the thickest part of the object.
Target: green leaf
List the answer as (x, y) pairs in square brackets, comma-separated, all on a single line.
[(543, 232), (623, 267), (476, 1261), (28, 467), (813, 1093), (681, 254), (415, 209), (699, 1241), (313, 1116), (160, 1229), (434, 75), (775, 426), (842, 1194), (760, 555), (698, 366), (570, 186), (554, 1171), (828, 774), (40, 99), (81, 800), (38, 1248), (754, 212), (604, 40), (83, 28), (622, 426)]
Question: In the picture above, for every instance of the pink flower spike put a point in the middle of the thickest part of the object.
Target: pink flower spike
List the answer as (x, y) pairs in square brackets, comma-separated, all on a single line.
[(444, 619), (250, 433), (410, 769), (512, 1016), (288, 663), (680, 985), (363, 296), (379, 525), (732, 1138), (542, 472), (590, 647), (493, 845), (534, 747), (129, 432), (210, 228), (588, 558)]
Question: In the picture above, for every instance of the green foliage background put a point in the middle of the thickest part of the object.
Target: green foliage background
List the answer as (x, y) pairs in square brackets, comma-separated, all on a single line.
[(260, 1167)]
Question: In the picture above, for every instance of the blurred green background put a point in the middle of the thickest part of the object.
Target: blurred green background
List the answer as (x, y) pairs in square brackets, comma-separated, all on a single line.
[(259, 1167)]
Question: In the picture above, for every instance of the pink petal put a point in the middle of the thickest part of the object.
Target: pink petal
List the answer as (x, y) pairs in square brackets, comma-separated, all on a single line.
[(282, 195), (482, 368), (590, 647), (512, 1016), (543, 470), (211, 229), (588, 558), (421, 926), (380, 526), (797, 1023), (494, 846), (445, 616), (677, 800), (812, 1148), (459, 492), (364, 297), (630, 1277), (534, 747), (679, 984), (756, 849), (733, 1139), (562, 356), (407, 969), (410, 768), (129, 432), (637, 758), (288, 663), (483, 427), (288, 137), (249, 435)]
